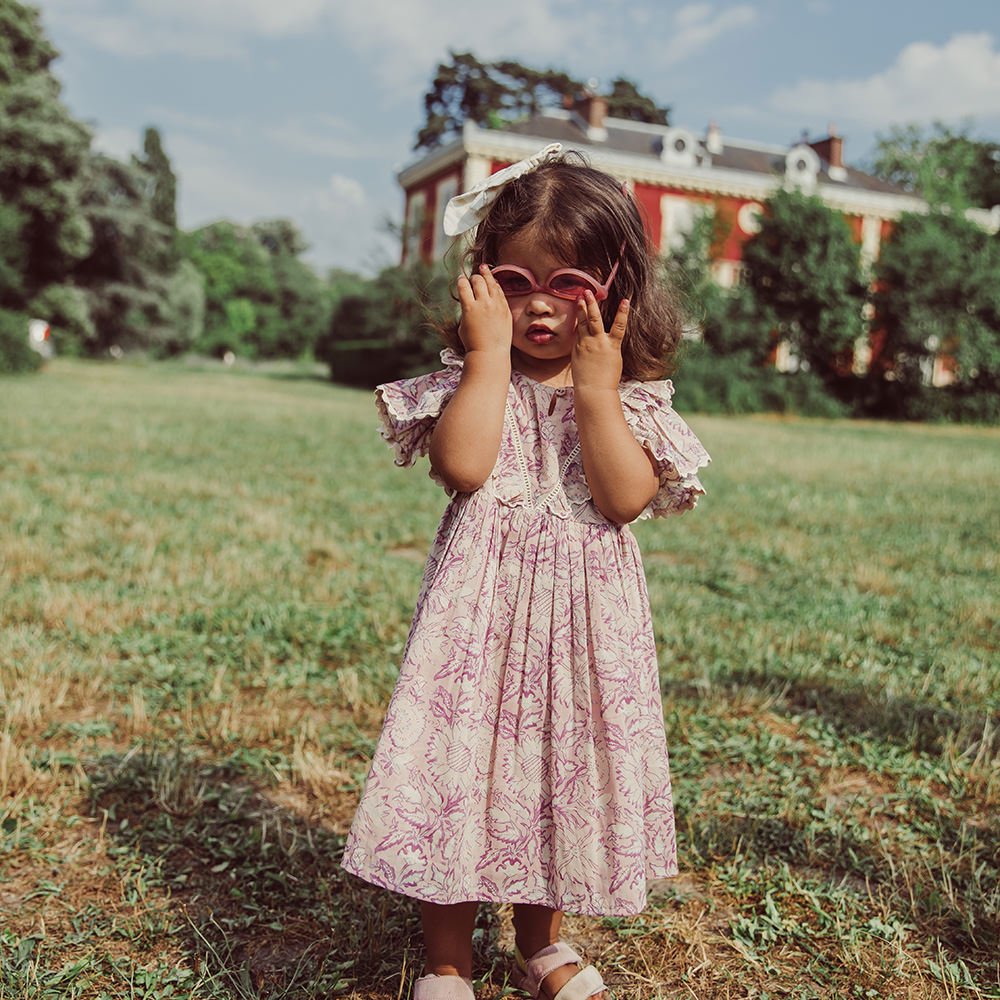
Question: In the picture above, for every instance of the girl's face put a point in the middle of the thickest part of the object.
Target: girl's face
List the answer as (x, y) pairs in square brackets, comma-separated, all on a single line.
[(544, 325)]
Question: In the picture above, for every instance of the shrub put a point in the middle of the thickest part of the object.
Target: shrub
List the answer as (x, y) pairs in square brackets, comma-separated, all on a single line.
[(388, 329), (707, 382), (15, 354)]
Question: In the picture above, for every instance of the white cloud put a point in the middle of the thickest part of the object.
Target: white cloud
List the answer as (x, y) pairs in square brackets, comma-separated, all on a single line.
[(698, 25), (958, 79), (330, 137), (135, 35), (342, 194), (338, 218), (265, 18)]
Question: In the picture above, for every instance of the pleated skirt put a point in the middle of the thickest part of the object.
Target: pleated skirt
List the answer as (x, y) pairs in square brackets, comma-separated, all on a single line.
[(523, 756)]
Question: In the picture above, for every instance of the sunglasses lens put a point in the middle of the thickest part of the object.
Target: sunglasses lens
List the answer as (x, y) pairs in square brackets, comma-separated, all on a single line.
[(512, 282), (572, 285)]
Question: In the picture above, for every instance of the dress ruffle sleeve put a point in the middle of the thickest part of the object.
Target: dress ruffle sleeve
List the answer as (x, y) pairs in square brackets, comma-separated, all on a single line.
[(409, 409), (664, 434)]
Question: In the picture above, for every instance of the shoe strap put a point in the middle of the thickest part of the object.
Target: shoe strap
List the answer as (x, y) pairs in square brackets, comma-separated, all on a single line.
[(550, 958), (585, 984)]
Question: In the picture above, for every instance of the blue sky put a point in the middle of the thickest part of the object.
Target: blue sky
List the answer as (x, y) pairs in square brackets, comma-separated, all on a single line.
[(307, 108)]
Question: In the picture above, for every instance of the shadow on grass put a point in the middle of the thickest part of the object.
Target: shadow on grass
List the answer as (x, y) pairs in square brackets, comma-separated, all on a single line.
[(937, 858), (265, 910), (851, 707)]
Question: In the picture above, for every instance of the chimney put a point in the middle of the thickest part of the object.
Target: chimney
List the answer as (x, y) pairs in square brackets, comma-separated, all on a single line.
[(713, 139), (592, 109), (831, 149)]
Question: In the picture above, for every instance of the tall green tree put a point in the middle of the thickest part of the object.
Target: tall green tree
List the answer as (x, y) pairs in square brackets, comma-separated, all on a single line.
[(160, 183), (129, 272), (492, 93), (804, 270), (938, 280), (262, 299), (941, 165), (43, 151)]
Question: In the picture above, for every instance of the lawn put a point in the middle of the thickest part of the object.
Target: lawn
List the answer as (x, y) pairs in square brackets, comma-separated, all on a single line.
[(206, 578)]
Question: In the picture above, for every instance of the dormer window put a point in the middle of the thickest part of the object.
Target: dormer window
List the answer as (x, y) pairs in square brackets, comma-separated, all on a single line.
[(801, 168), (680, 148)]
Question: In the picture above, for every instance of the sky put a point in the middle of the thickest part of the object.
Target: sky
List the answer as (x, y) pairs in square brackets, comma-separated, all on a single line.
[(307, 109)]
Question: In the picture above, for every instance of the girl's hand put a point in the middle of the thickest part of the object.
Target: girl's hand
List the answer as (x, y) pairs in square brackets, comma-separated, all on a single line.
[(486, 323), (597, 357)]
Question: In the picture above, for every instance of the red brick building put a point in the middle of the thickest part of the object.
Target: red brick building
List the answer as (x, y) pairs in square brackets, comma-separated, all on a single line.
[(674, 174)]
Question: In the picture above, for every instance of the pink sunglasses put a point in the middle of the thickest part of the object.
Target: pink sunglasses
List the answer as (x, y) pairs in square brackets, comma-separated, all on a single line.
[(563, 283)]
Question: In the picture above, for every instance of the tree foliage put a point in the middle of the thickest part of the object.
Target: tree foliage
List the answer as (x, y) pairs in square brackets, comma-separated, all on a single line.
[(128, 271), (43, 152), (938, 280), (804, 271), (387, 330), (492, 93), (943, 166), (261, 299)]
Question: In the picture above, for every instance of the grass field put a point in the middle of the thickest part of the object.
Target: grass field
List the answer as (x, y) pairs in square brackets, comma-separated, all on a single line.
[(206, 583)]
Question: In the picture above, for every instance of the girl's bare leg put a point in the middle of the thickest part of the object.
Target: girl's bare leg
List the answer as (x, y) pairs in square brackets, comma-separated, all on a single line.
[(448, 938), (536, 927)]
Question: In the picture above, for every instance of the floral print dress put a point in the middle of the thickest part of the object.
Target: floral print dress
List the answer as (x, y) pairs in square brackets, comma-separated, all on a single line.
[(523, 756)]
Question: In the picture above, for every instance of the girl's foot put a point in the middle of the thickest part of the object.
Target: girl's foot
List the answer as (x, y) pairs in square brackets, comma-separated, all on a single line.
[(558, 971), (431, 987)]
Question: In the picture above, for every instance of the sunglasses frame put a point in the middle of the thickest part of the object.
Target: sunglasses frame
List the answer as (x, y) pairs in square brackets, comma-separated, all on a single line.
[(600, 290)]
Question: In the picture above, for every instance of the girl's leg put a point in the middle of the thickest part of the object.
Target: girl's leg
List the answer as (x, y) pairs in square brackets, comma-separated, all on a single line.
[(448, 938), (536, 927)]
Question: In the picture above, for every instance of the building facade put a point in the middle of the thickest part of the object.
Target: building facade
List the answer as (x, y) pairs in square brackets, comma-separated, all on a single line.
[(674, 175)]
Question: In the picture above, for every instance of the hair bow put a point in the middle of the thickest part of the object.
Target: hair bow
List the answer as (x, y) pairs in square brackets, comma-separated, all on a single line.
[(469, 208)]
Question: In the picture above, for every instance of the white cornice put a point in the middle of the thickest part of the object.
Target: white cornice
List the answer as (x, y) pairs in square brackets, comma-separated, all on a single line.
[(432, 163)]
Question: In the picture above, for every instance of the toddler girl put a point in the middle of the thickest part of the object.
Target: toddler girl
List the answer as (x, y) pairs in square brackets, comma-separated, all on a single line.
[(523, 757)]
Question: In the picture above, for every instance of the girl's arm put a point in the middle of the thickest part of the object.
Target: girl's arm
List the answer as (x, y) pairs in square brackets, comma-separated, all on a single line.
[(466, 439), (620, 474)]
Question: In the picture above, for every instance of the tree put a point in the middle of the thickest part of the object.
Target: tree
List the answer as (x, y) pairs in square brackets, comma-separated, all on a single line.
[(804, 270), (491, 94), (261, 300), (938, 280), (128, 272), (941, 166), (625, 101), (387, 329), (43, 151), (160, 186)]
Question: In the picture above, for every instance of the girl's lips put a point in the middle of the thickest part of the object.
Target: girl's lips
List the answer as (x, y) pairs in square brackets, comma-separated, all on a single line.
[(539, 334)]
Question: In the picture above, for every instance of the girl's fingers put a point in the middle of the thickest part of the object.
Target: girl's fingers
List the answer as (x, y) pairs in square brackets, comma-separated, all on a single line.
[(617, 331), (479, 286), (491, 282), (590, 315), (465, 293)]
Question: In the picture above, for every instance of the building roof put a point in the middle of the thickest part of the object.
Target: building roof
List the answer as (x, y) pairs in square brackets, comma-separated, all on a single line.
[(713, 164), (646, 141)]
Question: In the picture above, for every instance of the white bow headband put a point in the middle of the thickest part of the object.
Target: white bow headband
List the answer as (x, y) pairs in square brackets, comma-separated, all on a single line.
[(467, 210)]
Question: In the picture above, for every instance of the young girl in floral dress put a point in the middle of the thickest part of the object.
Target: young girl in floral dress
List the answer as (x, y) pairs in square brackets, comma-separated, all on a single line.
[(523, 757)]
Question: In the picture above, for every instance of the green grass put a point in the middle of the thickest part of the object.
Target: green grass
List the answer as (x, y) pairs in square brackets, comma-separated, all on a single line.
[(206, 579)]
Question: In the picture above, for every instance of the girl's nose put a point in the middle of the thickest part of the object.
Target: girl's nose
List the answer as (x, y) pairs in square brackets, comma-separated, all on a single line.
[(539, 305)]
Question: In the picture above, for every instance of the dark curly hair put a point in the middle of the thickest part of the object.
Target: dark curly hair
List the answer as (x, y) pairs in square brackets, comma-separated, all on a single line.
[(583, 216)]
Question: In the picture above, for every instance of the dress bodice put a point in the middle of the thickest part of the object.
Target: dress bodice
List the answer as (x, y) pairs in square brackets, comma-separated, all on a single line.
[(539, 464)]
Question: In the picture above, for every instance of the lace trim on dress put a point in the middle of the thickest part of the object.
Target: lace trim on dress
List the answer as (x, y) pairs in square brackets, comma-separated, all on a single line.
[(408, 409), (675, 449)]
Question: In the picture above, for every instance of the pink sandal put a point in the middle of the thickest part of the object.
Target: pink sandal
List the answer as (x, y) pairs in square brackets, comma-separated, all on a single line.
[(530, 972), (431, 987)]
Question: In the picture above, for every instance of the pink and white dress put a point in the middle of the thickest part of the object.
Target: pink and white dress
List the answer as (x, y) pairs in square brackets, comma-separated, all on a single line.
[(523, 757)]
